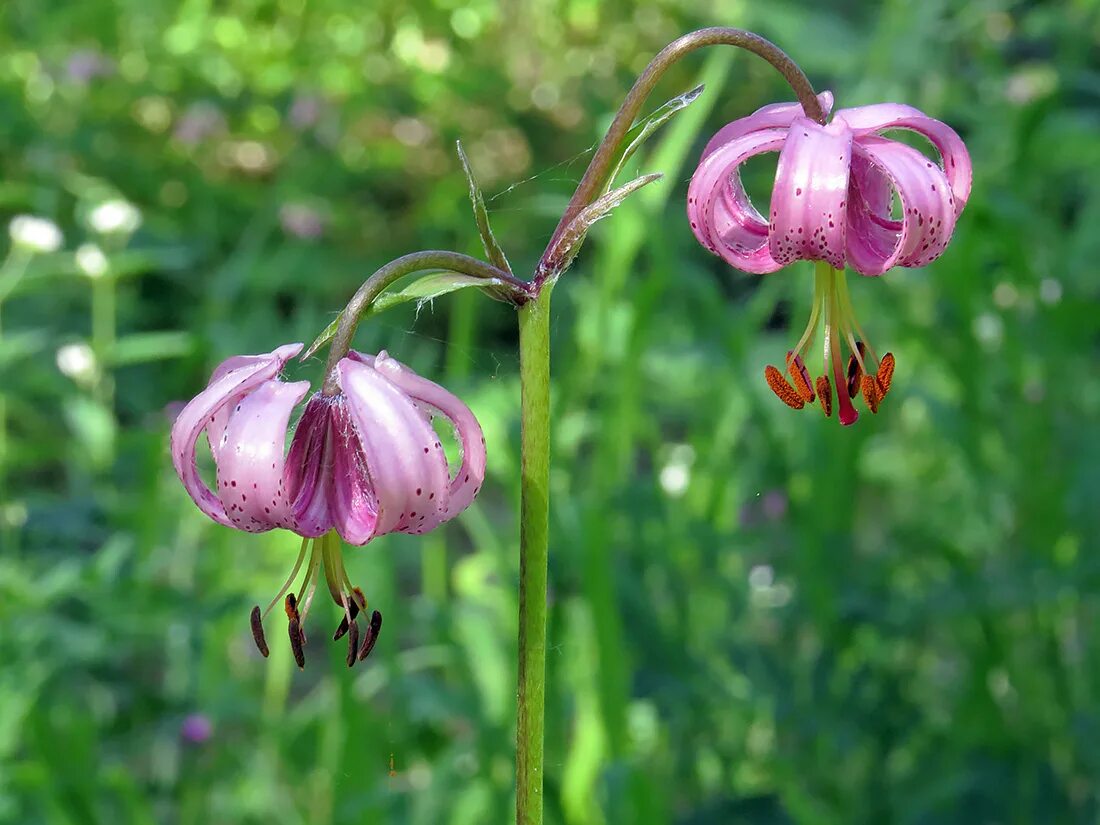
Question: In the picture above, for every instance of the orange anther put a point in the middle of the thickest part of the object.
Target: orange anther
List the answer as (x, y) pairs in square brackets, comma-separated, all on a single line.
[(885, 373), (855, 373), (782, 389), (290, 605), (871, 394), (825, 395), (800, 377)]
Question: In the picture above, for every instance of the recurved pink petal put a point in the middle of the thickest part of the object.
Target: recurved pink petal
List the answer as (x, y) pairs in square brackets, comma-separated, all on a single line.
[(719, 211), (353, 500), (876, 243), (250, 463), (872, 233), (955, 159), (772, 116), (216, 428), (811, 190), (466, 483), (309, 467), (404, 457), (231, 384)]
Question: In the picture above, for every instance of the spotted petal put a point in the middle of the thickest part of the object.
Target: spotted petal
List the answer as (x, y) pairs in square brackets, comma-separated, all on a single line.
[(234, 381), (955, 159), (875, 242), (250, 463), (471, 473), (772, 116), (403, 456), (811, 187), (719, 210)]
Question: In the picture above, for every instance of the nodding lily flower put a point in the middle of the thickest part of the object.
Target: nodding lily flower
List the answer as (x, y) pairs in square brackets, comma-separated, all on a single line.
[(362, 463), (832, 202)]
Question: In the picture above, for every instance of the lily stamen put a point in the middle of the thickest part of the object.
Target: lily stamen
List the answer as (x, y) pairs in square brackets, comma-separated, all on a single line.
[(371, 635), (871, 394), (885, 373), (782, 389), (862, 374), (825, 395), (258, 632), (353, 642), (294, 631), (325, 559), (855, 368), (800, 377)]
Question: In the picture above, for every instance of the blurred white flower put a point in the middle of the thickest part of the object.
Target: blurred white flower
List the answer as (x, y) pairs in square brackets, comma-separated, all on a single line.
[(761, 576), (989, 330), (35, 234), (675, 476), (1050, 291), (115, 216), (77, 361), (91, 260), (675, 479), (14, 514)]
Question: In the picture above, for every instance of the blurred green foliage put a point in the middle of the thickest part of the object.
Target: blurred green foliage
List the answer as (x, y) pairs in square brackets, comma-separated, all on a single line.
[(757, 617)]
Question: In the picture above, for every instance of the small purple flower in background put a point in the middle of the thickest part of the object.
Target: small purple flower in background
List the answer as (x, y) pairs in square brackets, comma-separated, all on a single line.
[(363, 462), (832, 202), (86, 65), (196, 728), (198, 122), (774, 505), (305, 111), (301, 221)]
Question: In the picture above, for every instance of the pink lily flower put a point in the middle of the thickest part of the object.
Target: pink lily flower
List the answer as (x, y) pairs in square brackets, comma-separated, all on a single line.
[(362, 463), (832, 202)]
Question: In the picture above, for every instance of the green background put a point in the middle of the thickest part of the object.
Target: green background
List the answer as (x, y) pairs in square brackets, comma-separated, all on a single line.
[(756, 615)]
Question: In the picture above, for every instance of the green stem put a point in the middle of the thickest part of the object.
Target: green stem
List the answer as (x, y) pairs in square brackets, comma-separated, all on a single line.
[(595, 177), (11, 273), (104, 328), (394, 270), (534, 370)]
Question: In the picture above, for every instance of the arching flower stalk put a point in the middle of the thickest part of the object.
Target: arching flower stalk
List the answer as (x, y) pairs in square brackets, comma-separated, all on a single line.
[(364, 461), (833, 202)]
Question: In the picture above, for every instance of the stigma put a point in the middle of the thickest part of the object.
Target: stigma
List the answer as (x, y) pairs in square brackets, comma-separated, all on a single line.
[(325, 561), (862, 373)]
